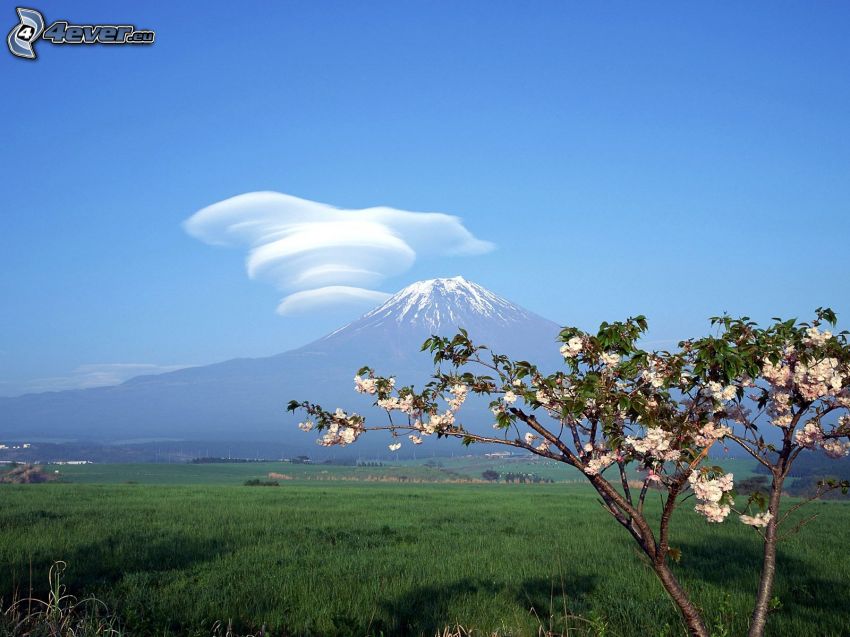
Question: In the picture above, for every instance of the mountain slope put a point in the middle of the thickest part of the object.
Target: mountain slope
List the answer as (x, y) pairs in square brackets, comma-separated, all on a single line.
[(243, 399), (396, 329)]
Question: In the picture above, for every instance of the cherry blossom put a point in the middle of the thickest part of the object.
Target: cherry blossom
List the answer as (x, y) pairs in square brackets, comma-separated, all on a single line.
[(810, 435), (572, 347), (836, 448), (610, 359), (712, 495), (655, 444), (710, 432), (720, 393), (757, 520), (365, 385), (600, 463)]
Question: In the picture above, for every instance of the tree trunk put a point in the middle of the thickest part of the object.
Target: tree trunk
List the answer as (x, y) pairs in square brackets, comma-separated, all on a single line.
[(690, 614), (768, 570), (637, 526)]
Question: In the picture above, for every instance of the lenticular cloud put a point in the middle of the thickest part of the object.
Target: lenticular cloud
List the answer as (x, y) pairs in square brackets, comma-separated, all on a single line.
[(322, 255)]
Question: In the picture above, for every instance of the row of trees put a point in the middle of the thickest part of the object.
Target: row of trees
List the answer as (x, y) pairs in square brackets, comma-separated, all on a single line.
[(775, 392), (493, 476)]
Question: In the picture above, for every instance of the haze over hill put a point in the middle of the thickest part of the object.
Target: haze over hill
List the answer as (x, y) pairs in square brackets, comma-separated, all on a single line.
[(244, 399)]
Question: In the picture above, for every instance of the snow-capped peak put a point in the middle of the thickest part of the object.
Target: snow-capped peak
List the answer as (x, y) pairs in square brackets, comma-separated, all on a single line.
[(449, 302)]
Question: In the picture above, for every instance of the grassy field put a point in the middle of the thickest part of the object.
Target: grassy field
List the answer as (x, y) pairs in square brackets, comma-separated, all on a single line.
[(358, 558), (457, 468), (238, 473)]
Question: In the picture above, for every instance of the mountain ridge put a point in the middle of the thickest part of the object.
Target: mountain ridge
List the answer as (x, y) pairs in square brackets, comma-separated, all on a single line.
[(245, 397)]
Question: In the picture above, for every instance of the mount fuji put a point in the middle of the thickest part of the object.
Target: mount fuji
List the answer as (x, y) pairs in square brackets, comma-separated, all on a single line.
[(243, 399), (396, 329)]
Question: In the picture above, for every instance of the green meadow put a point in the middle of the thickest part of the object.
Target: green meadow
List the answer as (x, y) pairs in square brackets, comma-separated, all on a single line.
[(173, 549), (445, 469)]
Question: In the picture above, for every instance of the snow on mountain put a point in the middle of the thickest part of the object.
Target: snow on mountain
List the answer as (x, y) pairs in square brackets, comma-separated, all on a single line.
[(441, 306), (436, 303), (243, 399)]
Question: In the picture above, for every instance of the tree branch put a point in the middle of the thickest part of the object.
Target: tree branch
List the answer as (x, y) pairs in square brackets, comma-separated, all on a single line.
[(746, 447), (624, 480)]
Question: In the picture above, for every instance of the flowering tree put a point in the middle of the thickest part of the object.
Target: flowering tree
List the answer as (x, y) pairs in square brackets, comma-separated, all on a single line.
[(615, 406)]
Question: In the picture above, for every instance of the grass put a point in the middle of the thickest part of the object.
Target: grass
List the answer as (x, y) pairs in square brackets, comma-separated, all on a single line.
[(235, 474), (368, 558), (440, 470), (58, 614)]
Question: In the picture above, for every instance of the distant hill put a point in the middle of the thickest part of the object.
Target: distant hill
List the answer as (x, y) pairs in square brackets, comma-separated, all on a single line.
[(244, 399)]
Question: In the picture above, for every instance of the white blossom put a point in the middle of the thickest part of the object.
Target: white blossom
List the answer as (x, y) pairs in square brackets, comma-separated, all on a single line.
[(572, 347), (365, 385), (656, 444), (713, 511), (710, 493), (818, 379), (836, 448), (544, 399), (439, 422), (600, 463), (389, 403), (652, 375), (720, 393), (778, 375), (459, 393), (710, 432), (610, 359), (757, 520), (815, 337), (810, 435)]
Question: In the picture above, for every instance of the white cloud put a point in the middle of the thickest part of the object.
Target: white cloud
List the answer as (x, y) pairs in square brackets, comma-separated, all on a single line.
[(308, 300), (322, 255), (88, 376)]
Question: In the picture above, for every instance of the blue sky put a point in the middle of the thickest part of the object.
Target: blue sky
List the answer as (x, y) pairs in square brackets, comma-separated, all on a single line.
[(672, 160)]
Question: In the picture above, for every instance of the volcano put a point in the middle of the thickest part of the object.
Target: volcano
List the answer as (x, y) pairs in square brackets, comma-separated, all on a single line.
[(244, 399)]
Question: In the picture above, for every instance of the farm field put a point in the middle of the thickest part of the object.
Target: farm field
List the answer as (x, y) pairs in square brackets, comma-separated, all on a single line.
[(457, 468), (368, 558)]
